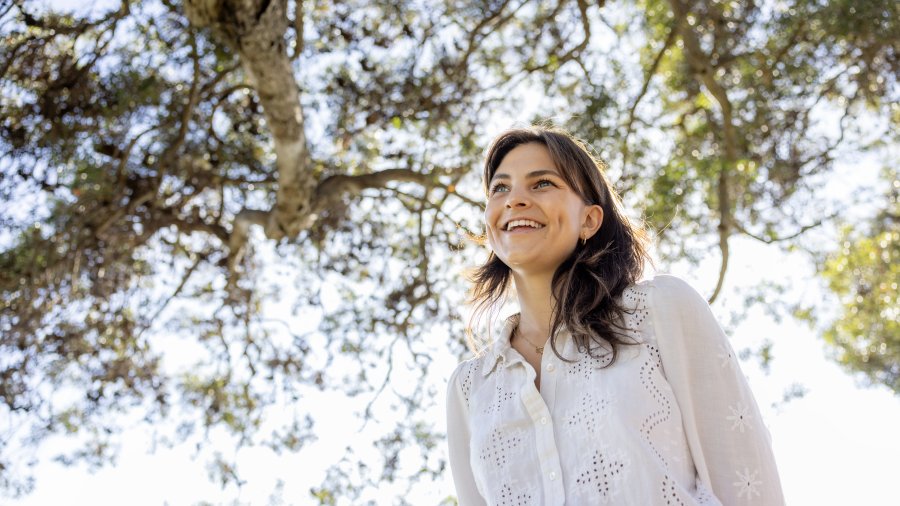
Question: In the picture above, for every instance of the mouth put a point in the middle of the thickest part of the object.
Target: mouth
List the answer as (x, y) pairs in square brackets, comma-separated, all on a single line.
[(522, 225)]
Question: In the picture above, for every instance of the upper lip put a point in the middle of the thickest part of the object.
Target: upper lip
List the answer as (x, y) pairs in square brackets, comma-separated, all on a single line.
[(515, 218)]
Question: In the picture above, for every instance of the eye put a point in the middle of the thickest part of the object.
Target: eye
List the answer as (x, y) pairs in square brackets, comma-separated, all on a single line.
[(543, 183), (497, 187)]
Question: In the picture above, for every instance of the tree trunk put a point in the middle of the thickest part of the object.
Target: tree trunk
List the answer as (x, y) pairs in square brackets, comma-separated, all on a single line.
[(256, 30)]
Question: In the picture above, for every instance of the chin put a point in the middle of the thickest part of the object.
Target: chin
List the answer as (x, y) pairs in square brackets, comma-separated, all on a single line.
[(513, 261), (527, 265)]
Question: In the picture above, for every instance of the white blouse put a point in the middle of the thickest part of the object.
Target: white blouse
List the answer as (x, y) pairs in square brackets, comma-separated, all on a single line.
[(671, 422)]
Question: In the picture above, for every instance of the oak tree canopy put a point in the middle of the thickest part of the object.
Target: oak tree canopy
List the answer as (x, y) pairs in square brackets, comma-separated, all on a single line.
[(175, 173)]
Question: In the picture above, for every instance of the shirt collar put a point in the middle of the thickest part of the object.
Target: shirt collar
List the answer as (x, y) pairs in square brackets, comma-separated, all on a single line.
[(501, 353)]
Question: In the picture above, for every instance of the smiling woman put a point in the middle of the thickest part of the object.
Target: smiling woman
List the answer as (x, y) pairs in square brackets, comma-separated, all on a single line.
[(585, 248), (641, 401), (529, 200)]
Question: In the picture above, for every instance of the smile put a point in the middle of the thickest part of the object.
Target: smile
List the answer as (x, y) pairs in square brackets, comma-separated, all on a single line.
[(522, 225)]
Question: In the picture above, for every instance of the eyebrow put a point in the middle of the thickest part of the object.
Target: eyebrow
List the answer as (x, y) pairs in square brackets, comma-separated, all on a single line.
[(536, 173)]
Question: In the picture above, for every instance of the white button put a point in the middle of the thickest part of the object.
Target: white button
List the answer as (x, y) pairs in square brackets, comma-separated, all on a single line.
[(552, 475), (544, 420), (550, 367)]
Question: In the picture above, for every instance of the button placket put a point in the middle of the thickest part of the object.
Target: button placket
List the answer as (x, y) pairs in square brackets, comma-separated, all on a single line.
[(549, 379), (536, 405)]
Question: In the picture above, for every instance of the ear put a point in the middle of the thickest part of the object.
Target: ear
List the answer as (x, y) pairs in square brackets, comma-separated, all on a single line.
[(593, 218)]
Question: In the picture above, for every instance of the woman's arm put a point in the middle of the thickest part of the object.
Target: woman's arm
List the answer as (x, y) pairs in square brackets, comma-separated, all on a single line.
[(729, 442), (458, 438)]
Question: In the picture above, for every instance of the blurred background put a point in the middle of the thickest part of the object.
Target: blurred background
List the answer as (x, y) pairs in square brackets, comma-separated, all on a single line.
[(234, 235)]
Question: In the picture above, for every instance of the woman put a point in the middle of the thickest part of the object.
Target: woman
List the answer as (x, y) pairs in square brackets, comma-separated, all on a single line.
[(604, 389)]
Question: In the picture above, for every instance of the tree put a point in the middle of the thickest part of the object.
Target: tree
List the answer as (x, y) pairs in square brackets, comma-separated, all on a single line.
[(153, 157), (863, 272), (200, 141)]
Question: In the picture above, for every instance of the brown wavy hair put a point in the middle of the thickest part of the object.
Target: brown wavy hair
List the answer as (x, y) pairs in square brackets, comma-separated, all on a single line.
[(587, 284)]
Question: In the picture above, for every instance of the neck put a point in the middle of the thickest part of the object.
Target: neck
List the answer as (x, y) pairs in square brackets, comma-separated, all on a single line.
[(536, 302)]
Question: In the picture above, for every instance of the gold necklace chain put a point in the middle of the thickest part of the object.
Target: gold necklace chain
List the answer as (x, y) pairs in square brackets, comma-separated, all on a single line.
[(538, 349)]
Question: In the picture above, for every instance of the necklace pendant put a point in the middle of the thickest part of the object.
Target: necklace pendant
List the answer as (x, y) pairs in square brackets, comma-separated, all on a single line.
[(539, 349)]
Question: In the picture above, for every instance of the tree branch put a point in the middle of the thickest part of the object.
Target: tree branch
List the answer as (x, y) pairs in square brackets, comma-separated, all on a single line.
[(702, 67), (491, 18), (240, 231), (256, 29), (725, 223), (338, 186), (193, 95), (670, 39), (298, 29), (187, 276), (575, 51), (798, 233)]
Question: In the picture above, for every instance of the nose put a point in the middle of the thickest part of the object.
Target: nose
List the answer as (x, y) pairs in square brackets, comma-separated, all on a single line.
[(517, 199)]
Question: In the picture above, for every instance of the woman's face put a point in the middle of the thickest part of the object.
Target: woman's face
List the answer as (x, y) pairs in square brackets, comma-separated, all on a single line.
[(533, 218)]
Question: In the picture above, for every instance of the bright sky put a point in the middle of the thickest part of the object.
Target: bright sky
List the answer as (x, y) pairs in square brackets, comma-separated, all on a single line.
[(836, 445)]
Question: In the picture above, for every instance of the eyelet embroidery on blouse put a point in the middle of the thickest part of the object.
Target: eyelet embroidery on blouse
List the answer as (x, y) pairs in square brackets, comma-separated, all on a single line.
[(659, 416), (726, 356), (602, 475), (589, 414), (740, 417), (635, 300), (510, 497), (466, 383), (675, 445), (502, 396), (501, 447), (747, 483), (586, 365), (670, 492)]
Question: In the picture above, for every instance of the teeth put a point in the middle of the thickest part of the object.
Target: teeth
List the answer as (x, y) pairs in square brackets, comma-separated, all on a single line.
[(523, 223)]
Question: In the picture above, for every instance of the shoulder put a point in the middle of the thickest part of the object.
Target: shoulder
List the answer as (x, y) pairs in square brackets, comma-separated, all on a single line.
[(645, 303), (465, 374), (468, 366), (662, 289), (681, 313), (666, 289), (669, 283)]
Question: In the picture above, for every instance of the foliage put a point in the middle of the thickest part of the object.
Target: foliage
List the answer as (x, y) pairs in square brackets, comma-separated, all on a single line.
[(738, 111), (864, 274), (173, 174)]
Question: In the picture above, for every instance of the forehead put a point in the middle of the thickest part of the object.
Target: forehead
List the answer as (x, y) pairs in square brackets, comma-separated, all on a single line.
[(526, 159)]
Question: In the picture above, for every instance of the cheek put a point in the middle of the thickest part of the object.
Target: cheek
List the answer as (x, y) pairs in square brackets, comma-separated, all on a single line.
[(576, 212), (492, 211), (568, 225), (489, 218)]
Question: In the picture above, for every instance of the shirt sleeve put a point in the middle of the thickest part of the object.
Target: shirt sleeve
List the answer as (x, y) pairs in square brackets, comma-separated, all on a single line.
[(458, 439), (729, 443)]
